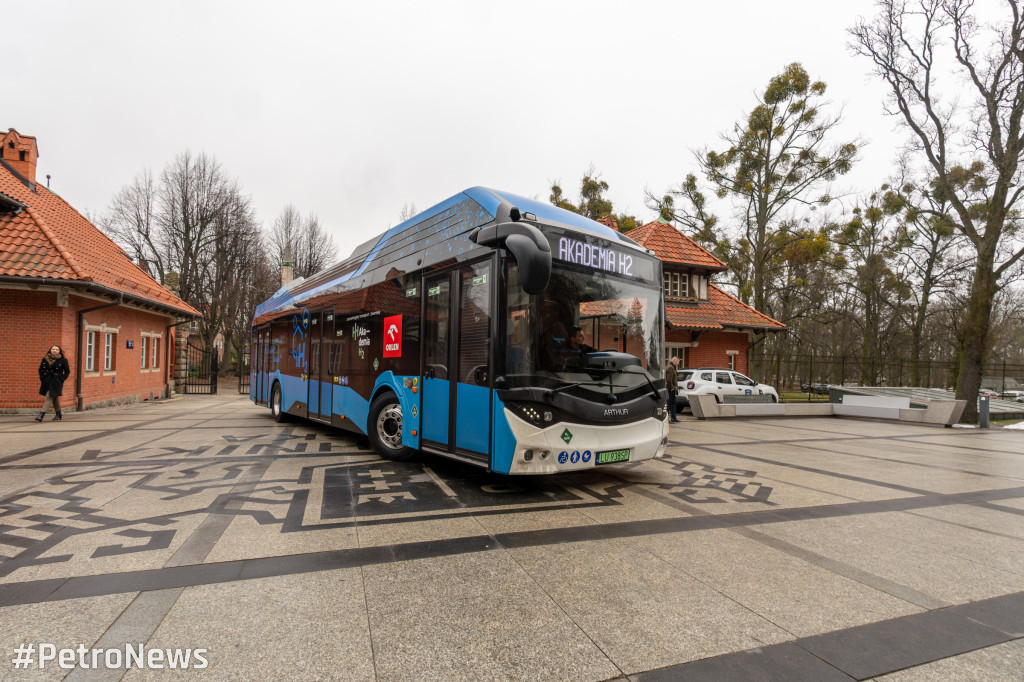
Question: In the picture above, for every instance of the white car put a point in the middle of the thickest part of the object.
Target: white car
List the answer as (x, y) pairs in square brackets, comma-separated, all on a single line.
[(720, 383)]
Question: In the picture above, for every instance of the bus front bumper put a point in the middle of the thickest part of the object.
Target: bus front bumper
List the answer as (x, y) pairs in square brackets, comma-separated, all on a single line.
[(574, 447)]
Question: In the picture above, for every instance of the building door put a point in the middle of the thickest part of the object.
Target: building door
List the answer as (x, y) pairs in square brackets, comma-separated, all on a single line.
[(457, 371)]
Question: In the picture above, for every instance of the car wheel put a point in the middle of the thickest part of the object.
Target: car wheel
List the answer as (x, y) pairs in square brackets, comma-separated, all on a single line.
[(384, 428), (276, 410), (775, 399)]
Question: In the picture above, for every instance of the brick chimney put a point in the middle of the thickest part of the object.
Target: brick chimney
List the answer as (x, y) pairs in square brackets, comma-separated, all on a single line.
[(20, 152)]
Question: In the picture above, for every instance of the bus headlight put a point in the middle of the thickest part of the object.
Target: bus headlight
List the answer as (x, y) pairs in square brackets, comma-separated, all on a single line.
[(533, 413)]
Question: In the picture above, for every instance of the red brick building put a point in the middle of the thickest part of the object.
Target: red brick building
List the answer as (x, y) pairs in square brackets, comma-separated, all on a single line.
[(705, 326), (64, 282)]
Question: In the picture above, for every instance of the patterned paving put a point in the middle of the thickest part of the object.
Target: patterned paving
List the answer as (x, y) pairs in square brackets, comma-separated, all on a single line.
[(793, 538)]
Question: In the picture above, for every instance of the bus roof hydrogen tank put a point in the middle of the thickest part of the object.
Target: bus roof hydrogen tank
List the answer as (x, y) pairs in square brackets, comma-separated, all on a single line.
[(490, 328)]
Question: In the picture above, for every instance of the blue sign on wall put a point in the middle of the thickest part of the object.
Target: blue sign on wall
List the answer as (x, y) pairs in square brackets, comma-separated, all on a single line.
[(129, 345)]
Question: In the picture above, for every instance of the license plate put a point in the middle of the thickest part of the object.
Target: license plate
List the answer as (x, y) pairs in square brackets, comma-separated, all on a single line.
[(613, 456)]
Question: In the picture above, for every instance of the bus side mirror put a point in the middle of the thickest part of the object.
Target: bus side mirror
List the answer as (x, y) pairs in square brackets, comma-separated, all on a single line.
[(534, 264), (527, 245)]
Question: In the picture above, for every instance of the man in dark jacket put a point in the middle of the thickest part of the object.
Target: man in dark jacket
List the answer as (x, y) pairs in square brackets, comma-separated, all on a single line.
[(53, 371), (672, 384)]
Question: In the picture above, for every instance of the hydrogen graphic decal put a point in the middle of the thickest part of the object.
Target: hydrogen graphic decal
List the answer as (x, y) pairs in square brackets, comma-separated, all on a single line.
[(300, 330)]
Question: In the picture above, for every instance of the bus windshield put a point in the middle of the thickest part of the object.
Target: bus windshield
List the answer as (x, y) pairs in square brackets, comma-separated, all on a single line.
[(543, 343)]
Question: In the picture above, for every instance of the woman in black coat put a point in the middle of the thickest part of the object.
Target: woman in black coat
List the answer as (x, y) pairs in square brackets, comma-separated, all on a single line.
[(53, 370)]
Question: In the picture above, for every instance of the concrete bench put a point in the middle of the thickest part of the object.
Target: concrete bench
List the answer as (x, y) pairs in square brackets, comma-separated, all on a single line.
[(945, 412), (879, 407)]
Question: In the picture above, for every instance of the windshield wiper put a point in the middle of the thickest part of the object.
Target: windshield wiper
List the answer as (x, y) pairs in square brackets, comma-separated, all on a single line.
[(550, 393), (654, 391)]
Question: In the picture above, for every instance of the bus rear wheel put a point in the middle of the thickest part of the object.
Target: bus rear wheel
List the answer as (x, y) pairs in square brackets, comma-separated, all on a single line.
[(384, 428), (276, 409)]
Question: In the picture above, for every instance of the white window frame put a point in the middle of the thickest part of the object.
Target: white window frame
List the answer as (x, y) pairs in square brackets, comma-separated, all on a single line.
[(90, 351), (142, 356), (108, 351), (677, 350), (732, 359), (671, 281), (684, 286), (155, 364)]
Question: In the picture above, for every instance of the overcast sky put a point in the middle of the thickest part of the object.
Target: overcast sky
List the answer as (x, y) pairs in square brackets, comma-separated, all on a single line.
[(352, 109)]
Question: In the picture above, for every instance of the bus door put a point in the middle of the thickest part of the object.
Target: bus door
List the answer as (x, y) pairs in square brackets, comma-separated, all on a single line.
[(457, 370), (327, 352), (313, 367), (259, 360)]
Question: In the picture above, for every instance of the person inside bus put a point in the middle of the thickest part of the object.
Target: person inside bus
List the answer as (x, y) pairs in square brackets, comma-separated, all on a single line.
[(574, 350), (578, 341)]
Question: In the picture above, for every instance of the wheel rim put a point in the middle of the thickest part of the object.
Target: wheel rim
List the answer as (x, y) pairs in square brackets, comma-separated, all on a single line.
[(275, 406), (389, 426)]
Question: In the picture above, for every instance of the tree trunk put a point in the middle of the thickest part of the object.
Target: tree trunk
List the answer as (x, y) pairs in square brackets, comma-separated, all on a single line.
[(975, 338)]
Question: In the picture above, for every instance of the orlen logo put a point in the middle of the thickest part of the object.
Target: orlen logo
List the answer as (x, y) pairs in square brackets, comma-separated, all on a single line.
[(393, 336)]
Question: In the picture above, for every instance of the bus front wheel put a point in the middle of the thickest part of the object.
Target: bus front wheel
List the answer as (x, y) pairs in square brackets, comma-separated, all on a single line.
[(384, 427)]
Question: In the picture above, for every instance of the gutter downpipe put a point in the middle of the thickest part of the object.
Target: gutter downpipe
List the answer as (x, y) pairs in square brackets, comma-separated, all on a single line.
[(78, 345)]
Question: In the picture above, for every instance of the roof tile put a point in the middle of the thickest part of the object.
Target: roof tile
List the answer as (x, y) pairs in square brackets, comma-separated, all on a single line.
[(722, 310), (51, 239), (673, 246)]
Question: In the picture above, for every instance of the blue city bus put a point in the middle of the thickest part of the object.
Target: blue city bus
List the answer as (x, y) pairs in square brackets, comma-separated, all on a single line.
[(457, 333)]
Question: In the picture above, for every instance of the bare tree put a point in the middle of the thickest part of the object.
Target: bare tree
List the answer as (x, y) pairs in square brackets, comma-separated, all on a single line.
[(201, 234), (131, 220), (974, 148), (192, 194), (408, 211), (313, 248)]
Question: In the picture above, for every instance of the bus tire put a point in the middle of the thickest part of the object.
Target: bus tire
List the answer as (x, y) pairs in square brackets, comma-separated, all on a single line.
[(384, 428), (276, 407)]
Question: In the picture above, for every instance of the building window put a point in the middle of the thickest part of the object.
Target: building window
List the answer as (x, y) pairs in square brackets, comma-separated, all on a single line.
[(142, 355), (90, 351), (675, 351), (676, 285), (108, 351), (671, 285), (732, 362), (156, 356)]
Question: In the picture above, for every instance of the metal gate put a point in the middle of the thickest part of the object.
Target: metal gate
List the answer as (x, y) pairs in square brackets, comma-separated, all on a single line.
[(201, 375), (243, 373)]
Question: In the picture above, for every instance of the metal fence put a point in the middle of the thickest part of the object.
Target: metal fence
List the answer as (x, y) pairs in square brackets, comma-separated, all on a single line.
[(809, 372), (201, 370)]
